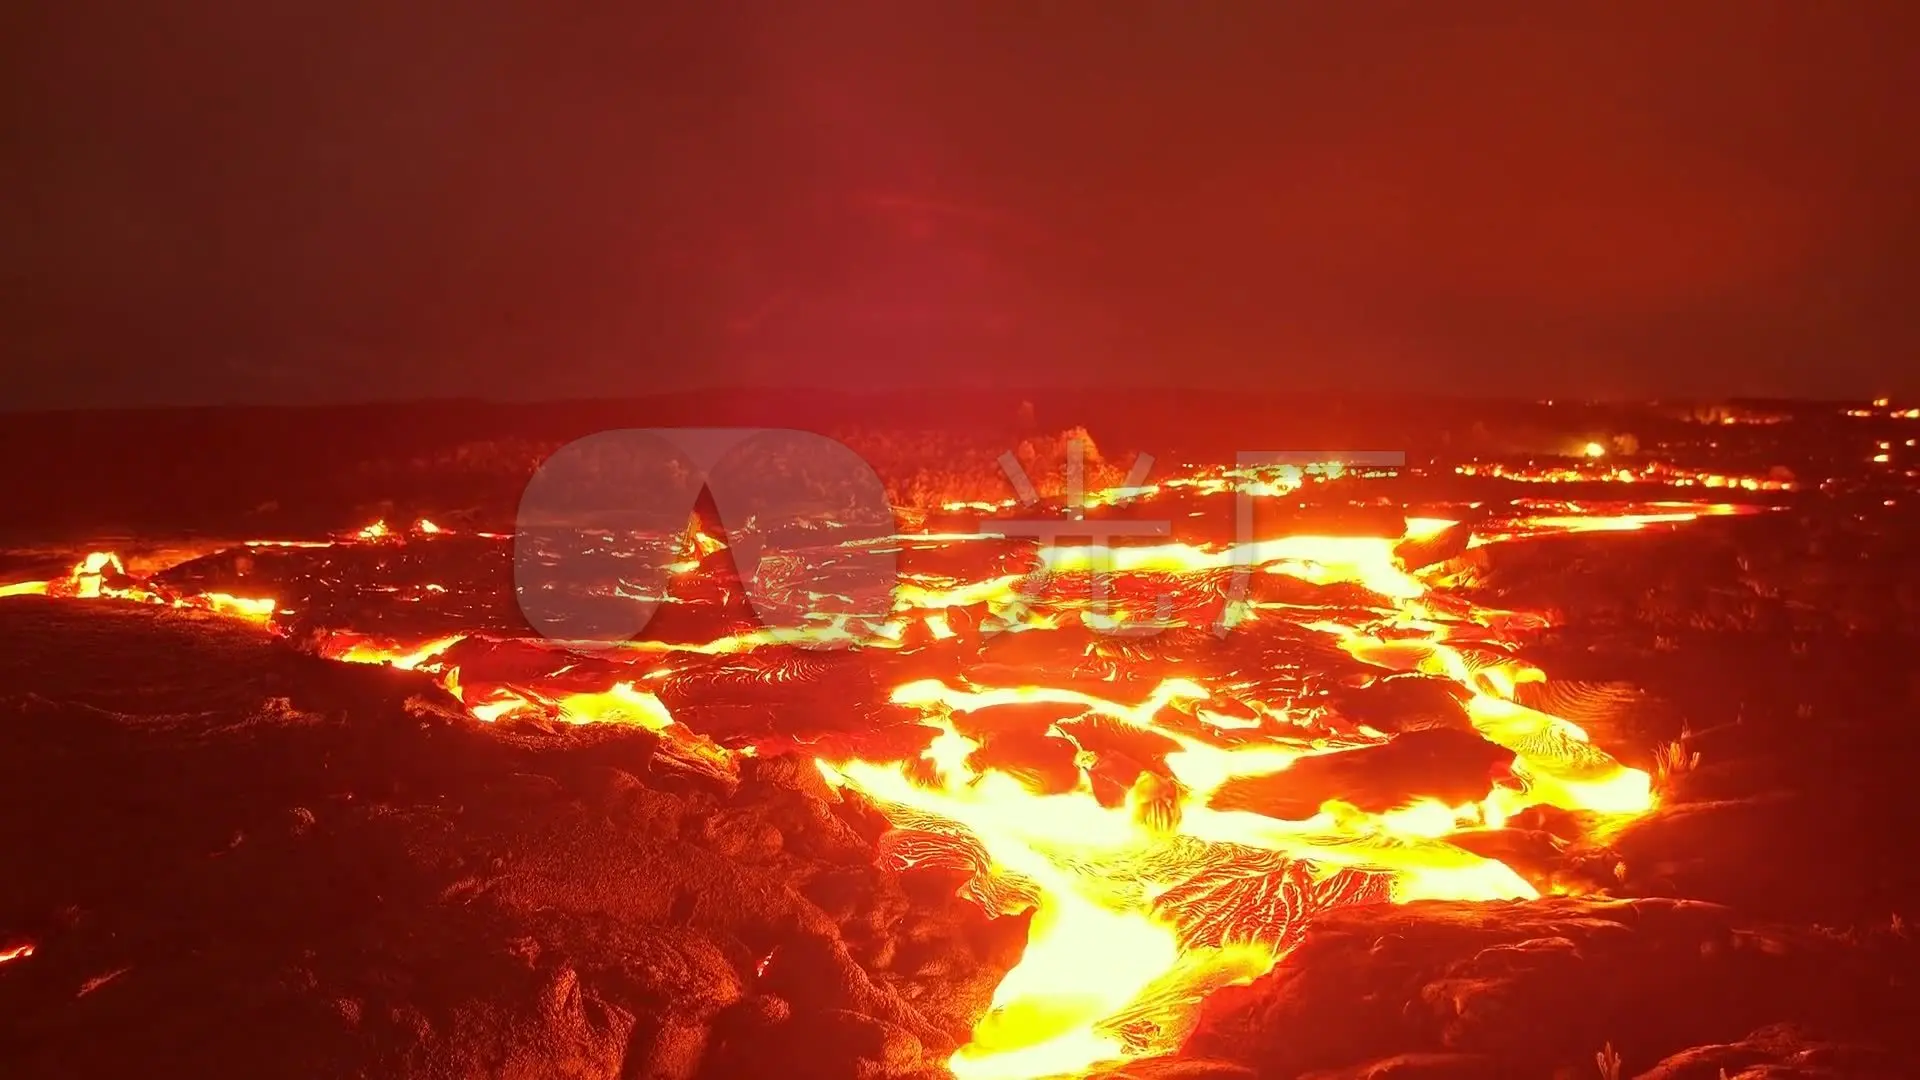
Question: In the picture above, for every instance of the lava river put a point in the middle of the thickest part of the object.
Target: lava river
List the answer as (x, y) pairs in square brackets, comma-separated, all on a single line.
[(1159, 754)]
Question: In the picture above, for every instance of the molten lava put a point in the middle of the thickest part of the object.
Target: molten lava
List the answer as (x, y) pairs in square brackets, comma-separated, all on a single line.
[(1169, 824)]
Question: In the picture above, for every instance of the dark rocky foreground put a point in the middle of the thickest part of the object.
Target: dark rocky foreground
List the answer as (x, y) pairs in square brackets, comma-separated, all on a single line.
[(234, 859), (238, 860)]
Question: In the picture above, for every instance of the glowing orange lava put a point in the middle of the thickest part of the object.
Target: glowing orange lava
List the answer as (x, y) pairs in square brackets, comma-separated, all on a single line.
[(1148, 884)]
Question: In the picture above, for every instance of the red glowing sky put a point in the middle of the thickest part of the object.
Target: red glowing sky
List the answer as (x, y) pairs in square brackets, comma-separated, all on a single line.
[(261, 202)]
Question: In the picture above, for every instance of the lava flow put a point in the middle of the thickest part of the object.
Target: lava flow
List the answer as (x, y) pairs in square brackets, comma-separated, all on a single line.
[(1160, 754)]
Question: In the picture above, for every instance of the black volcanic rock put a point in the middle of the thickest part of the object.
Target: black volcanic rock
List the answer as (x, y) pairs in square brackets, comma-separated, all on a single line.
[(1452, 766), (1404, 702), (1527, 989), (1448, 543)]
